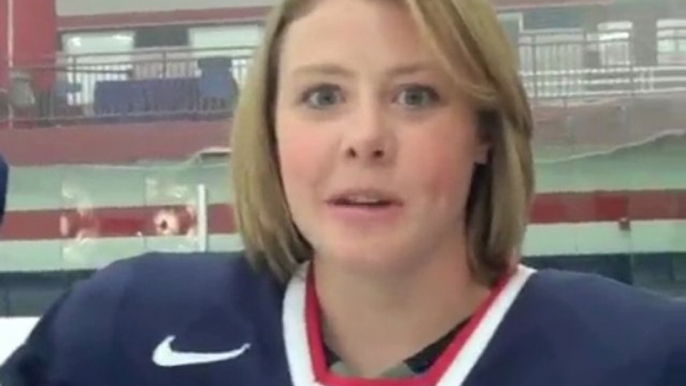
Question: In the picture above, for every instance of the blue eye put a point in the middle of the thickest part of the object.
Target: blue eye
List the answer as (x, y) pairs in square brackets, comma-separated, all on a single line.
[(323, 96), (417, 97)]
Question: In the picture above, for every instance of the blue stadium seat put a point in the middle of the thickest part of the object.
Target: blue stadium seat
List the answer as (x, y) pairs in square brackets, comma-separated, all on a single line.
[(217, 86), (118, 99), (144, 100), (171, 96), (216, 79)]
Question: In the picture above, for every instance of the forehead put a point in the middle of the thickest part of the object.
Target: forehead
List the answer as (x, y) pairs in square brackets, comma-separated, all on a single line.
[(380, 32)]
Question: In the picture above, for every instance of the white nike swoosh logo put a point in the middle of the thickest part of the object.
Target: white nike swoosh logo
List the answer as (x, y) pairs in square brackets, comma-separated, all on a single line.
[(165, 356)]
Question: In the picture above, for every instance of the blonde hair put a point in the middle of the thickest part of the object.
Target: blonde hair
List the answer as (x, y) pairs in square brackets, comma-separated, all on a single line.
[(464, 34)]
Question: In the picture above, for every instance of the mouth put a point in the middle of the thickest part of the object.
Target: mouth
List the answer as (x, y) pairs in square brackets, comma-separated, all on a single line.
[(365, 199)]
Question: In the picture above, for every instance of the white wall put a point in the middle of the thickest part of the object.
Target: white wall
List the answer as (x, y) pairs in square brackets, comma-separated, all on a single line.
[(94, 7), (13, 332)]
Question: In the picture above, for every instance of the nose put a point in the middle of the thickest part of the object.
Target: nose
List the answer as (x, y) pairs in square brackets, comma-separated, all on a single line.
[(370, 137)]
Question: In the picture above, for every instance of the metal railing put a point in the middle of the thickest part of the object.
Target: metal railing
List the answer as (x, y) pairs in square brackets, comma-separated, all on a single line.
[(562, 68), (142, 85), (575, 66), (594, 83)]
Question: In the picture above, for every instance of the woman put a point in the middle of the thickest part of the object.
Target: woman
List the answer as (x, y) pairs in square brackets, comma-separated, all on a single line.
[(383, 175)]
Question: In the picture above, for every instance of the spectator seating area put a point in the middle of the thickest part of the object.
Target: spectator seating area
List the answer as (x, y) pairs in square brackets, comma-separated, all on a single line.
[(205, 89), (212, 93)]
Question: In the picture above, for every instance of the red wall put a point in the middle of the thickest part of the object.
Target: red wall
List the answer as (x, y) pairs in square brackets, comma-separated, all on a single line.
[(242, 14), (4, 75), (111, 144), (35, 38)]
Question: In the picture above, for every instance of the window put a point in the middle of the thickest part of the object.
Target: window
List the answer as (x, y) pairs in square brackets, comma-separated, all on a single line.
[(110, 42), (512, 23), (552, 61), (671, 41), (96, 56), (236, 41), (162, 36), (614, 43)]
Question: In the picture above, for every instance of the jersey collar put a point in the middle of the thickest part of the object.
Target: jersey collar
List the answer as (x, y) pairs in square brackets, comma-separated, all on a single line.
[(305, 349)]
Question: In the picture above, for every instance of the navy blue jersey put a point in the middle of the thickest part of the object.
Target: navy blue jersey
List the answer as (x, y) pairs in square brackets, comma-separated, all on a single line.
[(210, 319)]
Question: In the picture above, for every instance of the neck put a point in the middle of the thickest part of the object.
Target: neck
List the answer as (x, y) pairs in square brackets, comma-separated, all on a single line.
[(374, 323)]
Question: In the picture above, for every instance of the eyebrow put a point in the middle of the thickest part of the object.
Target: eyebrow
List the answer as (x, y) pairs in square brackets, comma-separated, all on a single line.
[(338, 70)]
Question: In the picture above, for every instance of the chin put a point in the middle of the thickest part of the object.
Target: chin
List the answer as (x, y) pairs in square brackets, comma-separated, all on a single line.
[(365, 257), (380, 249)]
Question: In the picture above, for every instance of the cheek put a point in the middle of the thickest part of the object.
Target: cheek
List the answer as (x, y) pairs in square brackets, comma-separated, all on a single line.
[(445, 175), (297, 161), (442, 166), (302, 155)]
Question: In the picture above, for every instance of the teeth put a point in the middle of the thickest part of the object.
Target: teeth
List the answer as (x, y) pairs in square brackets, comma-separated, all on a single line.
[(364, 200)]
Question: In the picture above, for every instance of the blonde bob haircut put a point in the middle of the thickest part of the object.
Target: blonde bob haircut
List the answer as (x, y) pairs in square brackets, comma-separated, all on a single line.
[(464, 34)]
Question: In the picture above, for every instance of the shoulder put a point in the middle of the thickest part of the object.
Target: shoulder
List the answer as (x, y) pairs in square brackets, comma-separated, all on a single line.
[(181, 274), (165, 269), (168, 290), (612, 320), (596, 297), (116, 318), (167, 280)]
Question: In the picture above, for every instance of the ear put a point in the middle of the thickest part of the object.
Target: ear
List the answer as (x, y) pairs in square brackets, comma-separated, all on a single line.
[(488, 120), (482, 151)]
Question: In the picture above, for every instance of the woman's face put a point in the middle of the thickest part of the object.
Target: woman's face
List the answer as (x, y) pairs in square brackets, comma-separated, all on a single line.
[(376, 147)]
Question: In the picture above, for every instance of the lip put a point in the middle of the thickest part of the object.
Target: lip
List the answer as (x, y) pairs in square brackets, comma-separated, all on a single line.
[(361, 217), (382, 194)]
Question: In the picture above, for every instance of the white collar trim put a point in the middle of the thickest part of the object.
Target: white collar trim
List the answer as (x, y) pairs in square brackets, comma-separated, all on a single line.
[(298, 351)]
